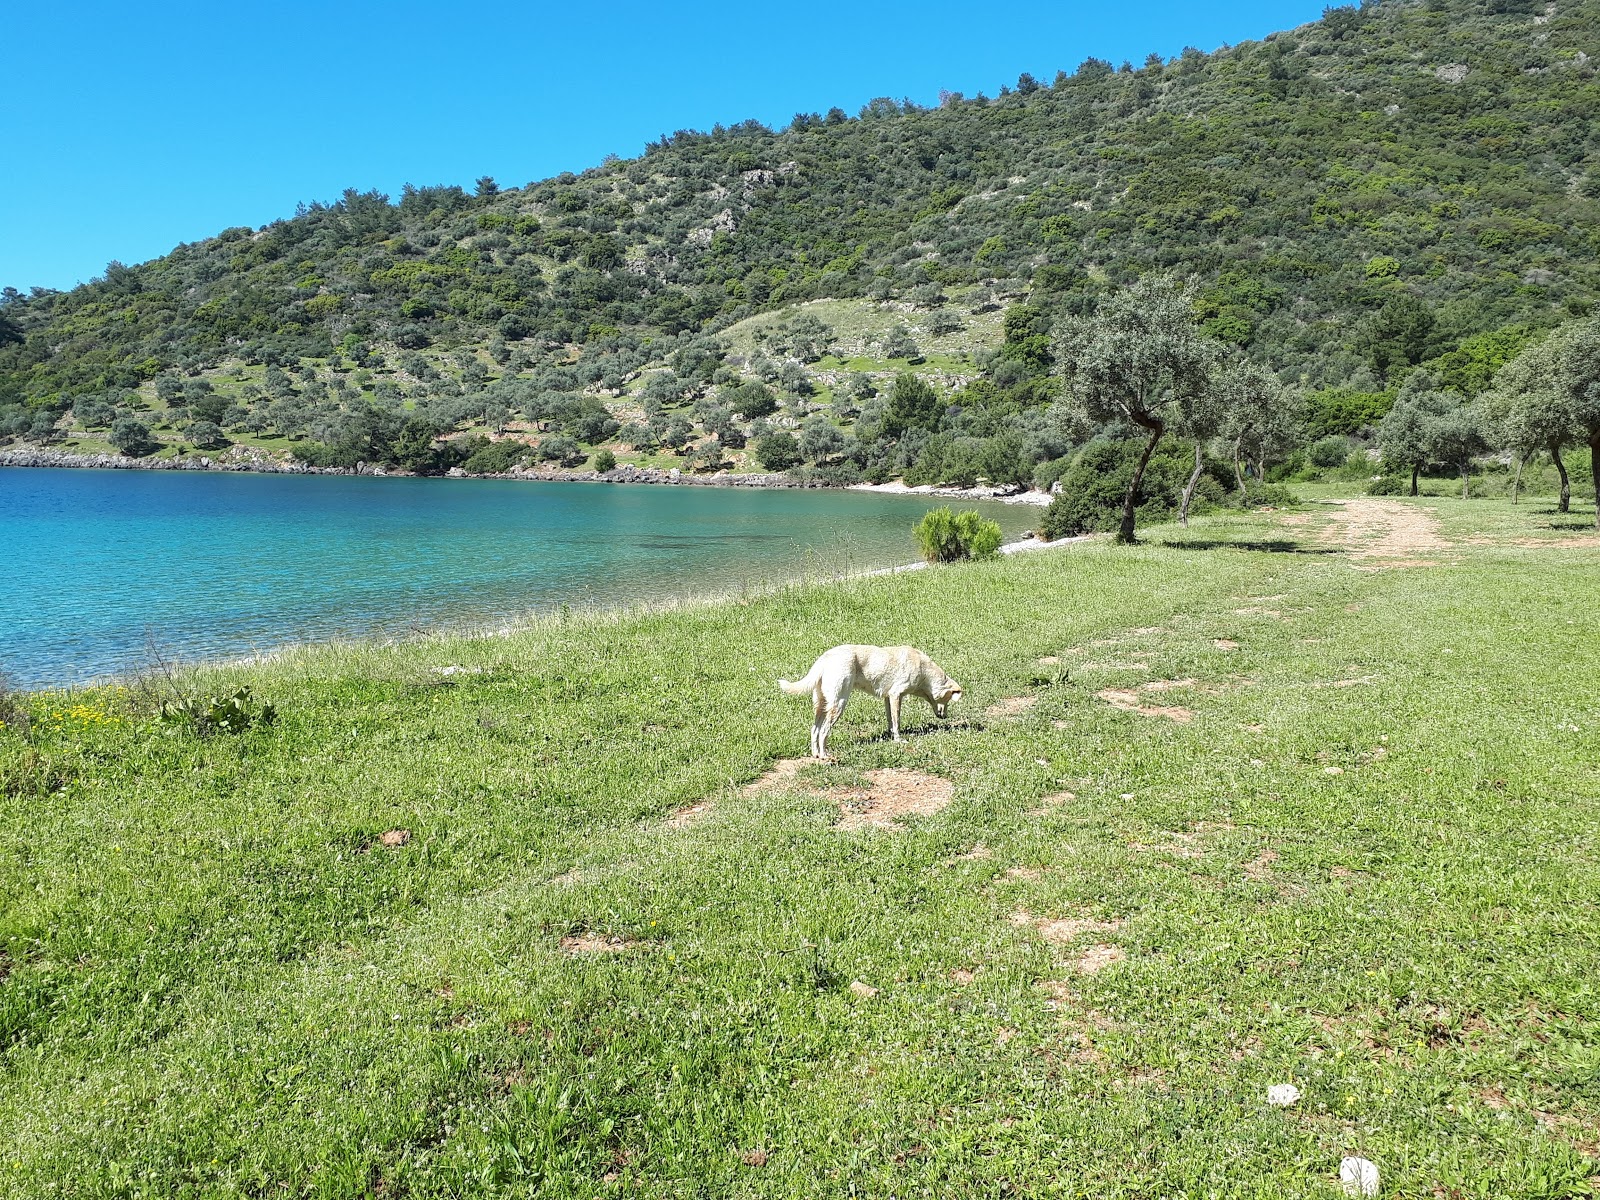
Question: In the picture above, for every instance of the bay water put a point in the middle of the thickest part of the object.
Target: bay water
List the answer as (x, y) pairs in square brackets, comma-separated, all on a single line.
[(94, 564)]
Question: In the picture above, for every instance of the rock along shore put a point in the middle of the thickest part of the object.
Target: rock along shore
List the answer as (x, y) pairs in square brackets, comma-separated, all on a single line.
[(240, 459)]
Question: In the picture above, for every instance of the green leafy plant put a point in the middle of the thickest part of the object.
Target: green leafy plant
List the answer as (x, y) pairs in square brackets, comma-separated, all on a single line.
[(232, 713), (946, 536)]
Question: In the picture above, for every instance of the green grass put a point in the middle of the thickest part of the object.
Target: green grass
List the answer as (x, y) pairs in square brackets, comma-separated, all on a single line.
[(217, 982)]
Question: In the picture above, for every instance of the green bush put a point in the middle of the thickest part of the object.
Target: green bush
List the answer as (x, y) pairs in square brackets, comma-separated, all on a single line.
[(1092, 488), (1329, 451), (604, 460), (945, 535), (233, 713), (494, 458), (1388, 485), (777, 451)]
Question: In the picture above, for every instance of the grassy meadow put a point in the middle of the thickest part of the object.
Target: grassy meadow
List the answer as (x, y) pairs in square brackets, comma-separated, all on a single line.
[(522, 927)]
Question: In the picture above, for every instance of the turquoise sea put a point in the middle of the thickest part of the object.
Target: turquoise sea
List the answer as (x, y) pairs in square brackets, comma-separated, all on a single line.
[(216, 564)]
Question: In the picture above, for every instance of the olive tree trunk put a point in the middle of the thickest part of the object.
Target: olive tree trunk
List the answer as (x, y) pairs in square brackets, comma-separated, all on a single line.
[(1516, 480), (1565, 503), (1415, 468), (1465, 478), (1125, 532), (1188, 491), (1238, 468), (1594, 468)]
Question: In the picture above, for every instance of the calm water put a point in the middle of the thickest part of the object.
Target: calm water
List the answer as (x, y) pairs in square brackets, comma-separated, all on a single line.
[(220, 564)]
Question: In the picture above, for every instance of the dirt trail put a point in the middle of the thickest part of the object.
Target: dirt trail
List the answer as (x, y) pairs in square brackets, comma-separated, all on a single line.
[(1384, 534)]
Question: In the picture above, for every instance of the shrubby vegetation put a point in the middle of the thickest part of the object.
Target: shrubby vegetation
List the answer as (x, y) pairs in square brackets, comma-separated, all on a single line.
[(1378, 212), (945, 535)]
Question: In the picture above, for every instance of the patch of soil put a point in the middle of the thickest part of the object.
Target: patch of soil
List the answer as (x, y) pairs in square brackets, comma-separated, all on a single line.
[(782, 774), (962, 976), (1259, 868), (1116, 666), (1344, 683), (1385, 534), (1167, 685), (595, 943), (1048, 660), (895, 792), (863, 990), (754, 1158), (1225, 643), (1023, 873), (1055, 800), (1066, 929), (395, 838), (1257, 611), (688, 815), (1098, 957), (1011, 706), (1130, 702), (979, 851)]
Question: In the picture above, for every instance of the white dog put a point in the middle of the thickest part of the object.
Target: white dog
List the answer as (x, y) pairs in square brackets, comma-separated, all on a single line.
[(889, 672)]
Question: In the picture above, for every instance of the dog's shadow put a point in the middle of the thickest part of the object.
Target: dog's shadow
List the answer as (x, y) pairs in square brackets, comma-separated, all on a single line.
[(963, 725)]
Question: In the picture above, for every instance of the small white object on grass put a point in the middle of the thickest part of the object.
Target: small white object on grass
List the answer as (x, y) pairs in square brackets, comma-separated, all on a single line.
[(1358, 1176), (865, 990), (1281, 1095)]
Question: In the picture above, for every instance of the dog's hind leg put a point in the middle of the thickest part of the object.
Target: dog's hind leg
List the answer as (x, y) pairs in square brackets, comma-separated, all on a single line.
[(819, 723), (820, 750)]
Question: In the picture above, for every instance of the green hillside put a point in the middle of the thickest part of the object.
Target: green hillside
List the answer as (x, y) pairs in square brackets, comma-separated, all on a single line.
[(1387, 186)]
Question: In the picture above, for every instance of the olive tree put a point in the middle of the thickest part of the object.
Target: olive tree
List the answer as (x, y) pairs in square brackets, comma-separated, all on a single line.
[(1140, 360), (1256, 414), (1580, 380), (1528, 413), (1404, 433)]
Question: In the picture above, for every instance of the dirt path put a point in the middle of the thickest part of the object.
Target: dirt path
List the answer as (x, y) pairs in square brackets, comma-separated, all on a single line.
[(1383, 534)]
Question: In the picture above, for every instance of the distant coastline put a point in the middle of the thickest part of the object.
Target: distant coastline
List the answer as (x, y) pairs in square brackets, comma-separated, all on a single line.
[(243, 461)]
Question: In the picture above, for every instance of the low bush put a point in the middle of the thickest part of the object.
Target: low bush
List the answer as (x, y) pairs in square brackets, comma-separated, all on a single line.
[(495, 458), (233, 713), (946, 536), (604, 460), (1389, 485)]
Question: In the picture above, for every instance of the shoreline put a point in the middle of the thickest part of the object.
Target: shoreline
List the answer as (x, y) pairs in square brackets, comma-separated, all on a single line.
[(238, 461)]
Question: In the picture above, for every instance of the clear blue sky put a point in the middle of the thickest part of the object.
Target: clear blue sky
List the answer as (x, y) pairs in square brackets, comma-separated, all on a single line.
[(129, 128)]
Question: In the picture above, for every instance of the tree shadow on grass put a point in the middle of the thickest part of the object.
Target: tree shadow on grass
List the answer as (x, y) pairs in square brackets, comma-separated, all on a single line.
[(1580, 523), (1268, 546)]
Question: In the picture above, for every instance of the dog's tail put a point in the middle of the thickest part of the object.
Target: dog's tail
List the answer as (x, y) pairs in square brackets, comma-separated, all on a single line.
[(800, 687)]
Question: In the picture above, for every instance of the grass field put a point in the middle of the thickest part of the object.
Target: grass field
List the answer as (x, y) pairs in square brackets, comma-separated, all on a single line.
[(1348, 842)]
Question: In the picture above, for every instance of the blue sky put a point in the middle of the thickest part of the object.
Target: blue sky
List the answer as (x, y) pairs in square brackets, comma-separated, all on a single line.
[(131, 128)]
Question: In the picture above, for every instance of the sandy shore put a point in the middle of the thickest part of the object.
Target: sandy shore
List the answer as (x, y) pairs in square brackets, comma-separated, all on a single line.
[(1003, 495)]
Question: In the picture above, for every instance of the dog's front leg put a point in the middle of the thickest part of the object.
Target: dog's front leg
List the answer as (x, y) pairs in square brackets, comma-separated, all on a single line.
[(892, 703)]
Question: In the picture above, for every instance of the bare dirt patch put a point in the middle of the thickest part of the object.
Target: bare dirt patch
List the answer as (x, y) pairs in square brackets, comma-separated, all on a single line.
[(1011, 706), (962, 976), (1066, 929), (395, 838), (688, 814), (896, 792), (1131, 702), (1258, 611), (1098, 957), (1225, 643), (1359, 681), (595, 943), (1383, 535), (1048, 660), (782, 773), (1054, 801), (1168, 685)]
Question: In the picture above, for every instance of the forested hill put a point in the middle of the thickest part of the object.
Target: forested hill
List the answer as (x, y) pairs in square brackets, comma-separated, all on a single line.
[(1356, 196)]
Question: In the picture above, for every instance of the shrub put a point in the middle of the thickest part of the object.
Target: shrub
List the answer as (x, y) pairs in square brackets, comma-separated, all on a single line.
[(604, 461), (131, 436), (1092, 488), (945, 535), (777, 451), (1329, 452), (494, 458), (232, 713), (1388, 485)]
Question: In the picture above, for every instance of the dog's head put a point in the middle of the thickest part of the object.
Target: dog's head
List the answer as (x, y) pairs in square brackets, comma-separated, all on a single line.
[(943, 700)]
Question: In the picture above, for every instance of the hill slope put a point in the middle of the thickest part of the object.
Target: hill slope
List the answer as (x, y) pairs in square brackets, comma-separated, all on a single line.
[(1358, 195)]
